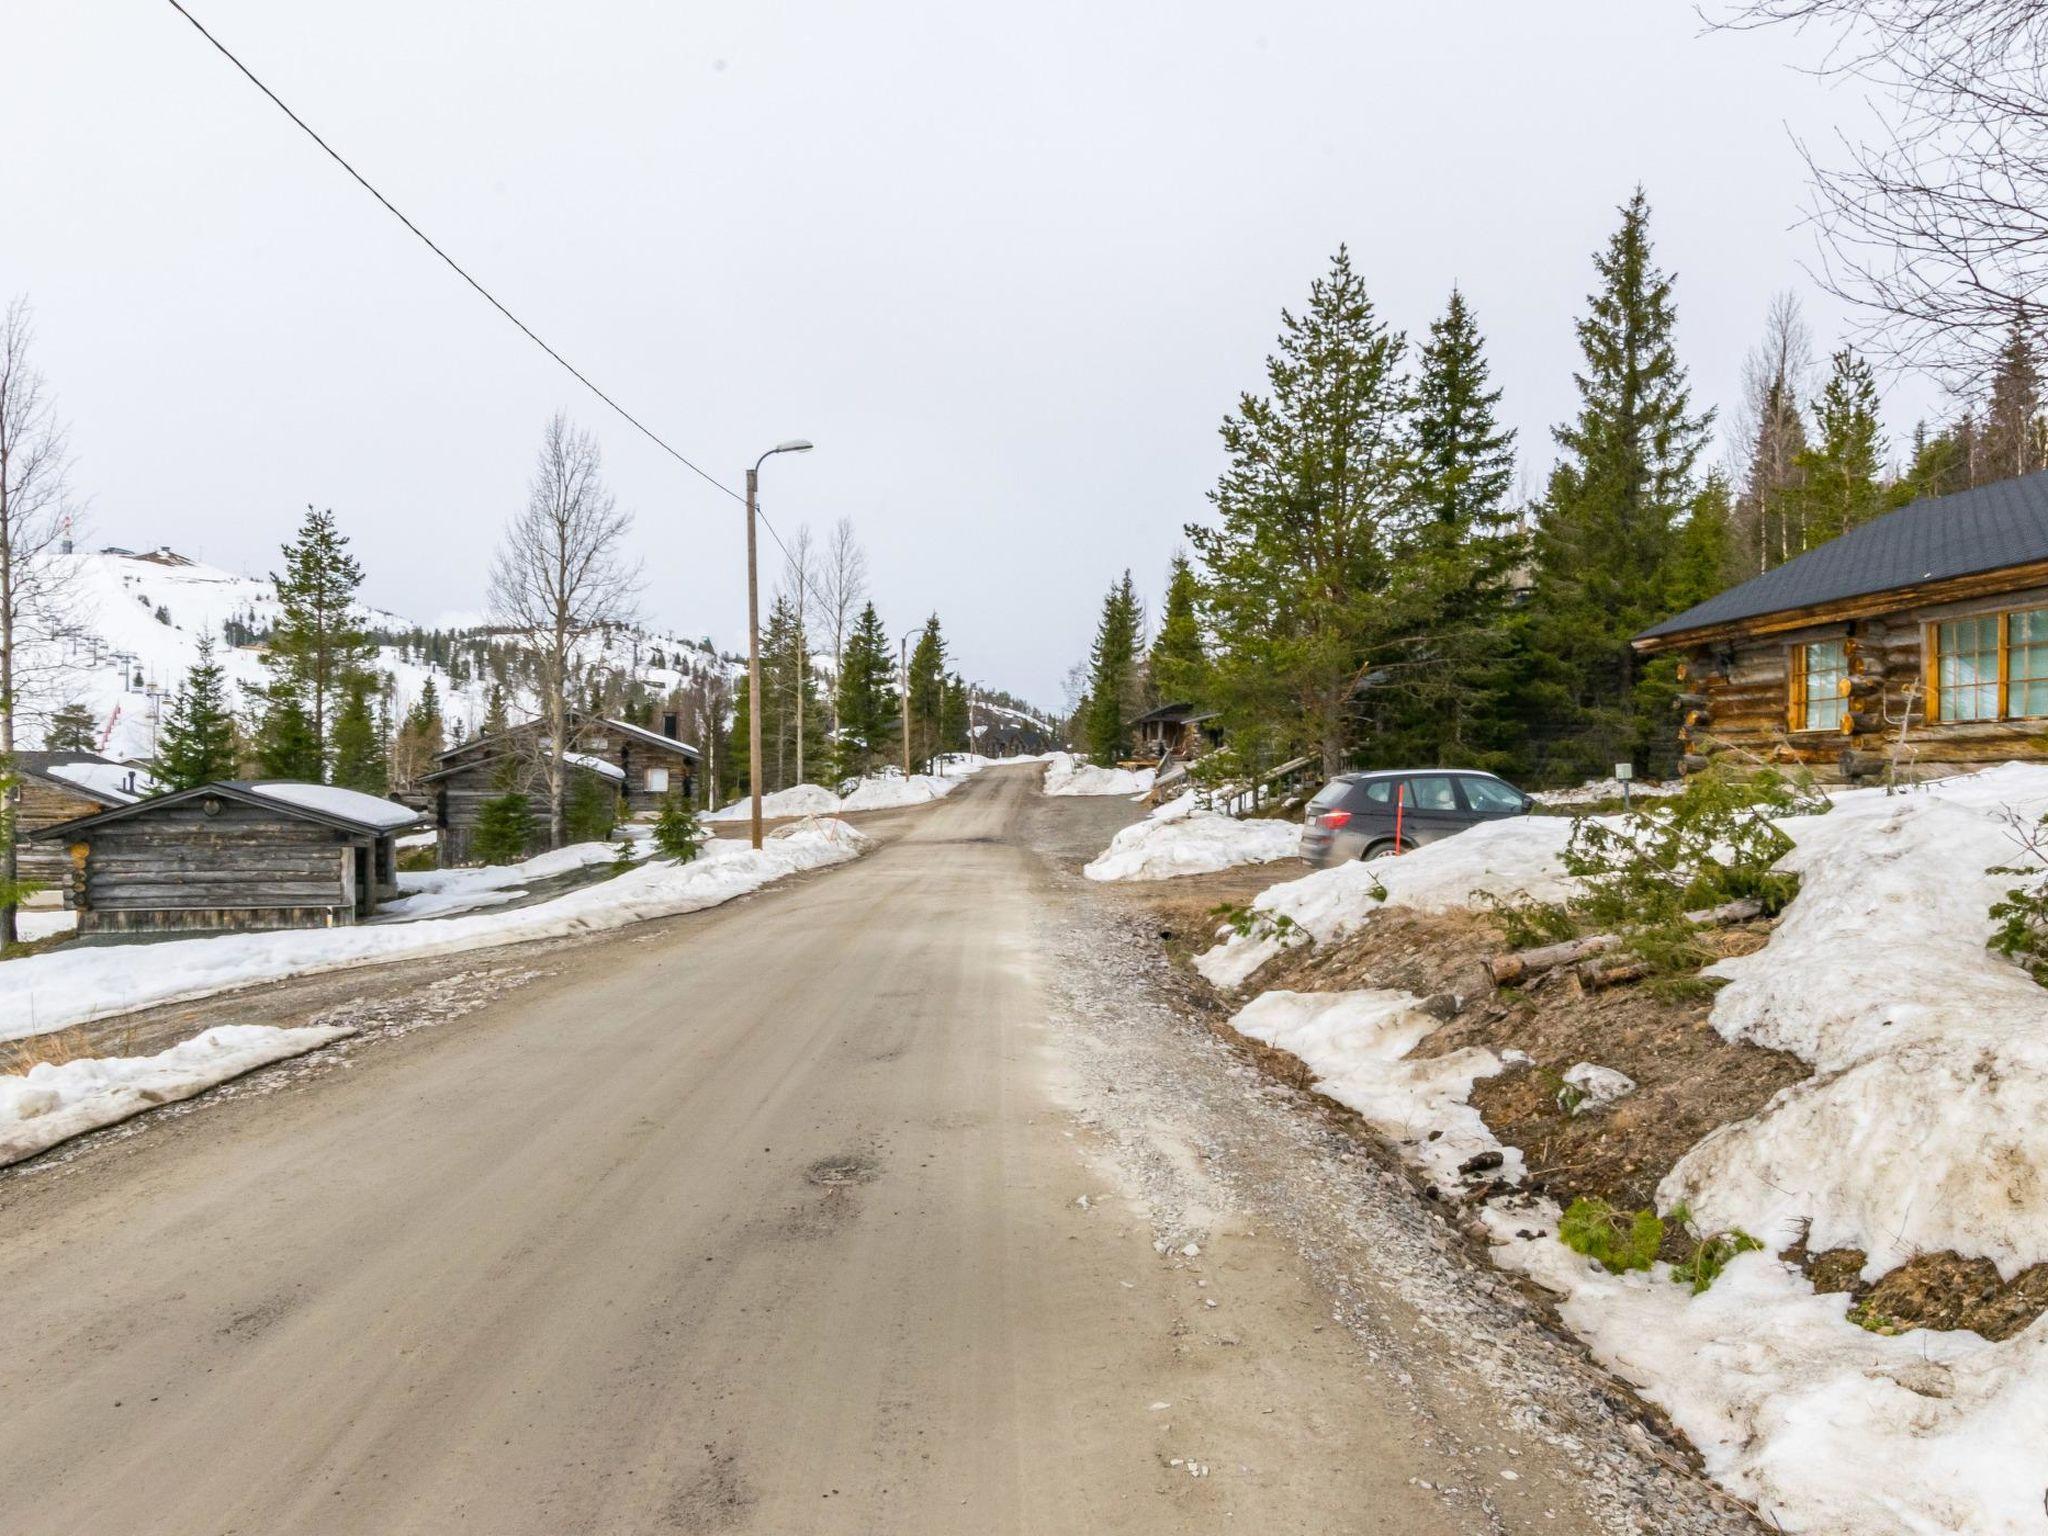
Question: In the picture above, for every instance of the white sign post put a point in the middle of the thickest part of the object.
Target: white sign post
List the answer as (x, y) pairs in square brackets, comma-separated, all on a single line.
[(1625, 772)]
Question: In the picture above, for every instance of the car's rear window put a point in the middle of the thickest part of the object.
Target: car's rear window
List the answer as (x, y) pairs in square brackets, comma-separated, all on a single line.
[(1379, 791)]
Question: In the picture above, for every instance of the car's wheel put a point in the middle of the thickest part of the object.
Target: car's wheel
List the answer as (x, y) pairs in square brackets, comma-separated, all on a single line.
[(1385, 846)]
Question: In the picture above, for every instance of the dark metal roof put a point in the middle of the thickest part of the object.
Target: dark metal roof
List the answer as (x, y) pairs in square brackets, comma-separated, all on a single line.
[(1987, 529)]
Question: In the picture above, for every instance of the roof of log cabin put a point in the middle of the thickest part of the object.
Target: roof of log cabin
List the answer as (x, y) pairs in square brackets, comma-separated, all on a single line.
[(1987, 529), (86, 775), (345, 810)]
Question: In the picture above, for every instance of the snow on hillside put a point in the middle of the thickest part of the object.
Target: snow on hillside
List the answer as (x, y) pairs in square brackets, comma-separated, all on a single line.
[(144, 615)]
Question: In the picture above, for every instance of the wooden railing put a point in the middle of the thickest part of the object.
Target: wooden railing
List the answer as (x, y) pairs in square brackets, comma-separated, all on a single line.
[(1281, 782)]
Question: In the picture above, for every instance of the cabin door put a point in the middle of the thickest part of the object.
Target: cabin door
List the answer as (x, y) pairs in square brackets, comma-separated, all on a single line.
[(366, 879)]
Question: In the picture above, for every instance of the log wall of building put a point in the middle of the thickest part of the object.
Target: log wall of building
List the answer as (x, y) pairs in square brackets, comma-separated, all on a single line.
[(43, 804)]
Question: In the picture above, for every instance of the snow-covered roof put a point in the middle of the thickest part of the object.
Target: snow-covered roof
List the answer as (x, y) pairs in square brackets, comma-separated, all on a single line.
[(595, 765), (641, 733), (115, 783), (331, 800)]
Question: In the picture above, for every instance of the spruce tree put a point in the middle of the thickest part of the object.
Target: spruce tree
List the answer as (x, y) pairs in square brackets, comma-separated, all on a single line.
[(1460, 544), (591, 808), (504, 828), (496, 720), (1841, 485), (1112, 674), (72, 729), (286, 747), (317, 645), (2014, 430), (927, 692), (866, 699), (1611, 517), (197, 743), (1300, 565), (953, 716), (359, 761), (677, 831), (1177, 666)]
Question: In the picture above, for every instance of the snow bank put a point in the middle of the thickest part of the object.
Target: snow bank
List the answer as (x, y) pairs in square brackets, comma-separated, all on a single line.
[(1066, 774), (1827, 1428), (1180, 838), (1357, 1044), (797, 800), (438, 892), (34, 923), (1498, 858), (79, 983), (887, 794), (1594, 791), (54, 1102), (1926, 1126)]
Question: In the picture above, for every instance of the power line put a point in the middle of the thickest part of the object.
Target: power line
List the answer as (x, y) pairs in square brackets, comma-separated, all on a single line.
[(648, 432), (490, 298)]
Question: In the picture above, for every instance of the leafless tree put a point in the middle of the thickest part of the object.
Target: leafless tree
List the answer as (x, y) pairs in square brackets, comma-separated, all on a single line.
[(560, 577), (706, 704), (35, 504), (799, 575), (1771, 435), (843, 580), (1939, 225)]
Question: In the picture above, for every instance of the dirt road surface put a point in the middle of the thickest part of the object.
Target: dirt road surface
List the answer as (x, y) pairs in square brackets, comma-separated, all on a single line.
[(897, 1198)]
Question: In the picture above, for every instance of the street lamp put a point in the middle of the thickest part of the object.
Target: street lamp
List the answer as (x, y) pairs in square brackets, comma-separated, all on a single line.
[(794, 445)]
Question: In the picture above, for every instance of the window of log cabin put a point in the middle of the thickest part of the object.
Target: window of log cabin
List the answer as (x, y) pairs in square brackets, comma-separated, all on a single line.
[(2026, 664), (1966, 668), (1820, 685), (657, 781)]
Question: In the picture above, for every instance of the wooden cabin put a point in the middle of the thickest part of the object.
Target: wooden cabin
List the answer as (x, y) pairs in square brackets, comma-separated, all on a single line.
[(232, 856), (1178, 731), (62, 786), (1917, 642), (638, 765)]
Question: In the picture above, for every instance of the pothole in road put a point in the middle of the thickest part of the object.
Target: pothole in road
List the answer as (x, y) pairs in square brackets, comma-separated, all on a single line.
[(843, 1169)]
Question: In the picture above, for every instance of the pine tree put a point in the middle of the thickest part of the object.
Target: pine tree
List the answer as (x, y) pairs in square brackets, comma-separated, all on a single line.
[(953, 716), (496, 721), (197, 743), (286, 747), (2014, 430), (1177, 667), (1611, 518), (13, 891), (1112, 674), (867, 700), (677, 831), (359, 761), (927, 692), (1299, 569), (1840, 474), (317, 645), (1458, 548), (72, 729)]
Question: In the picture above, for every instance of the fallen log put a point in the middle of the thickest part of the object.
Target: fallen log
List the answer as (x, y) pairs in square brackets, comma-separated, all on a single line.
[(1611, 973), (1520, 965)]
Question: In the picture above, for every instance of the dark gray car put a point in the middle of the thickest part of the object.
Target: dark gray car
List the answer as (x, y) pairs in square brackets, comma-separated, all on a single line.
[(1365, 815)]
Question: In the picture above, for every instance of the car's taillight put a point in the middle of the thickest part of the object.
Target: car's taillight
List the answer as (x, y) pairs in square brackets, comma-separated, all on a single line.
[(1330, 821)]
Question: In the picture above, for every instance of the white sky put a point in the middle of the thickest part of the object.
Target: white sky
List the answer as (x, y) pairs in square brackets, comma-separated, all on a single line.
[(1008, 266)]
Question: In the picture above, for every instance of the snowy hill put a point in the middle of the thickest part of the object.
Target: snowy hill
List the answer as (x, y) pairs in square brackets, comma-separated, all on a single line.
[(143, 615)]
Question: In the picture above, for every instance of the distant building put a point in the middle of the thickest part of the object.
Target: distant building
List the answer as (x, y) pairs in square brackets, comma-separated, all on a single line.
[(640, 766), (62, 786), (232, 855), (1177, 731)]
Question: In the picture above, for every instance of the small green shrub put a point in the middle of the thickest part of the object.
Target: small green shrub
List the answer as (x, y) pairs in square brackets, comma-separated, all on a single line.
[(1868, 1318), (1527, 923), (1618, 1241), (1248, 922), (677, 831), (1710, 1255), (504, 826), (2022, 913)]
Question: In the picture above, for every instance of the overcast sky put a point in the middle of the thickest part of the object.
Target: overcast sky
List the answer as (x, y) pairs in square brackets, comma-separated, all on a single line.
[(1008, 266)]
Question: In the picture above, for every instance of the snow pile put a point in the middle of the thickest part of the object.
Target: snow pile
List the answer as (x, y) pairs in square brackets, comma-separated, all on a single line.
[(1926, 1126), (1180, 838), (797, 800), (1357, 1044), (438, 892), (79, 983), (1597, 1086), (1593, 791), (887, 794), (1066, 774), (53, 1102), (34, 923), (1518, 855)]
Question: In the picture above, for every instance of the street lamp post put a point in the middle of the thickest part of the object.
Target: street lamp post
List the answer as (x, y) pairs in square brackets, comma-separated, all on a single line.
[(794, 445)]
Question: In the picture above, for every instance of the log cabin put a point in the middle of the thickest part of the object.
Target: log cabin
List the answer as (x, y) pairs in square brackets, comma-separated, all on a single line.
[(1916, 644), (62, 786), (232, 855), (1178, 731), (640, 766)]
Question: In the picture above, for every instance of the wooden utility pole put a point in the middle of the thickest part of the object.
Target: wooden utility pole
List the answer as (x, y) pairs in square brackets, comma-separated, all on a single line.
[(903, 665), (753, 660)]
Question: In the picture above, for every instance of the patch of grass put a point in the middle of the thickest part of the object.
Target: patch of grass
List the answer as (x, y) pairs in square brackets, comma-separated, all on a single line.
[(1868, 1318), (414, 861), (1529, 924), (54, 1048), (1618, 1241)]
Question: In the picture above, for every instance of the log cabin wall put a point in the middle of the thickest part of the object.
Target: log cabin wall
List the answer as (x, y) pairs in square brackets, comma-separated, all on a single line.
[(242, 867), (44, 803), (1737, 697)]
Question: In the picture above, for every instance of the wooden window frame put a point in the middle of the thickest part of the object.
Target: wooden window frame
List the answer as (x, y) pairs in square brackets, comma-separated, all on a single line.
[(1795, 689), (1931, 669), (2005, 678)]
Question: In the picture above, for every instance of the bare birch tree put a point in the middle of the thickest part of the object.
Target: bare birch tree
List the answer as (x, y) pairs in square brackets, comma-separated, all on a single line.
[(843, 580), (559, 578), (1771, 436), (799, 575), (1938, 226), (34, 574)]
